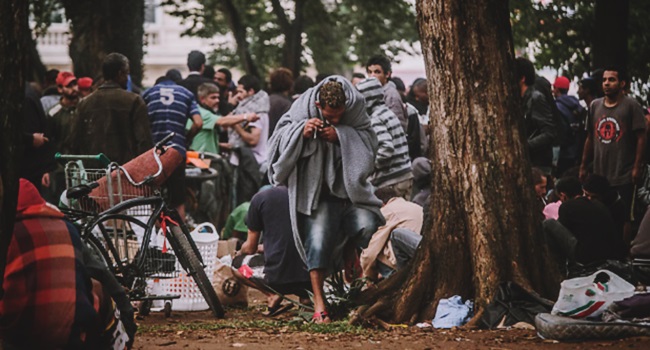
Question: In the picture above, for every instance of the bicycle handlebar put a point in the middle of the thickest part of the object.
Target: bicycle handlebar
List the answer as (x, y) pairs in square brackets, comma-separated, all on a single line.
[(156, 156)]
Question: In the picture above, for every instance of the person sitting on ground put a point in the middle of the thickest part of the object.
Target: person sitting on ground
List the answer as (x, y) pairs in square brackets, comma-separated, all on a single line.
[(540, 181), (284, 272), (598, 188), (56, 294), (394, 243), (585, 231)]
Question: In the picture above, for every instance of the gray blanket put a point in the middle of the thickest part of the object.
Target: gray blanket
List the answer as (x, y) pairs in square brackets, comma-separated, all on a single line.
[(307, 165)]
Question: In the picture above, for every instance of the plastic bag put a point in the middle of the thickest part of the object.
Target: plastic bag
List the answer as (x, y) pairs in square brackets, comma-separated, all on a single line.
[(229, 290), (453, 312), (591, 295)]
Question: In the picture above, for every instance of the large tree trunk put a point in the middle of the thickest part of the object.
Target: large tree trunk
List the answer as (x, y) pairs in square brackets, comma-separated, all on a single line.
[(13, 16), (104, 26), (610, 33), (484, 224)]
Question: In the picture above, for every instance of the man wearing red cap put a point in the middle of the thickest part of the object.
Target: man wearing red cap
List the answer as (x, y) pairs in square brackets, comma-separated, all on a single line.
[(60, 121), (572, 115), (85, 86)]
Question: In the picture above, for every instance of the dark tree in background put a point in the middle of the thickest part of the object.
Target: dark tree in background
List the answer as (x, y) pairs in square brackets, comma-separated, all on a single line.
[(331, 35), (576, 37), (13, 21), (484, 220), (99, 27), (611, 33)]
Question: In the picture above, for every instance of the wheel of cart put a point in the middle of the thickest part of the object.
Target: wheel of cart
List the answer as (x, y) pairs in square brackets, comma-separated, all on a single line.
[(120, 218)]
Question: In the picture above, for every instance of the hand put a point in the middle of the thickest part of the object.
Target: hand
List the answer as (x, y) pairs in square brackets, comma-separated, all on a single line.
[(328, 134), (45, 180), (232, 99), (253, 117), (311, 126), (39, 140)]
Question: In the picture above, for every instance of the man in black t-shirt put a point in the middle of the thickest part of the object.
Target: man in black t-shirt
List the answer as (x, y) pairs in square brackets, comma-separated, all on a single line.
[(284, 271), (585, 231)]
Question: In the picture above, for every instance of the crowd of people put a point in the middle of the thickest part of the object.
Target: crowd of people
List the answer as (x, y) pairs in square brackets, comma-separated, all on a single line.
[(333, 173), (590, 167)]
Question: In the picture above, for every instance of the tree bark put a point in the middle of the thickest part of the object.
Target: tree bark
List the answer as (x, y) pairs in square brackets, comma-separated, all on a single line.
[(483, 225), (611, 33), (292, 50), (13, 16), (239, 32), (104, 26)]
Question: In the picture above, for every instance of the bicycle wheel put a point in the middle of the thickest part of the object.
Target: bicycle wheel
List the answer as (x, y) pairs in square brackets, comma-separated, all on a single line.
[(189, 258), (120, 253)]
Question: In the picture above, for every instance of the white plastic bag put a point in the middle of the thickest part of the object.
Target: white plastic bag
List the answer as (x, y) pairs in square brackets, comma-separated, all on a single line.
[(589, 296)]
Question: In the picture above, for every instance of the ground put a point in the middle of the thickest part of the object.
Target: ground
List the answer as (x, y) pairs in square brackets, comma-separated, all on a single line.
[(248, 329)]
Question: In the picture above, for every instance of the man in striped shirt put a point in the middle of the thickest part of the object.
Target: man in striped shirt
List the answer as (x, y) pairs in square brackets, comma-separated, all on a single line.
[(170, 106), (392, 163)]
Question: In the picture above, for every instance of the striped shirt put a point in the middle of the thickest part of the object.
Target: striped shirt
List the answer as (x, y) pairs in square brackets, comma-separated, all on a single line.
[(170, 106), (392, 164)]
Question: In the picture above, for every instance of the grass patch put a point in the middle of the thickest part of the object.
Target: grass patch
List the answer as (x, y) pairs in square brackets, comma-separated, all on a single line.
[(273, 326)]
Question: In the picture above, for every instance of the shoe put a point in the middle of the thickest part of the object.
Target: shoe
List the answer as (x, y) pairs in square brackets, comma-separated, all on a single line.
[(277, 310), (320, 317)]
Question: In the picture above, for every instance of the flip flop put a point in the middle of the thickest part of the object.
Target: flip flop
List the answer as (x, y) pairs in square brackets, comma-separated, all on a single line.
[(277, 310)]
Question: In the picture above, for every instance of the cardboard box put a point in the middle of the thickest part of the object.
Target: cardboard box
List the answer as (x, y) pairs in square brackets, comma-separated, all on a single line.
[(226, 247)]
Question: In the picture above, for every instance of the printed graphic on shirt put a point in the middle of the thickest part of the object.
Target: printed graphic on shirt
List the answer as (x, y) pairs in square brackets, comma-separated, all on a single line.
[(608, 130)]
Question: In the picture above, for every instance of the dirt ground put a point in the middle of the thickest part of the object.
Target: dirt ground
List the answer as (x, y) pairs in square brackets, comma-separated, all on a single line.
[(248, 329)]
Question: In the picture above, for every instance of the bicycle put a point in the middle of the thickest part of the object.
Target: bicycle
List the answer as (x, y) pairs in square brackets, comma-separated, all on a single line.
[(109, 205)]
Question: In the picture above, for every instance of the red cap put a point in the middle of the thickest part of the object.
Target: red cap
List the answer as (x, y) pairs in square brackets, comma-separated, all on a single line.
[(562, 83), (65, 78), (85, 83)]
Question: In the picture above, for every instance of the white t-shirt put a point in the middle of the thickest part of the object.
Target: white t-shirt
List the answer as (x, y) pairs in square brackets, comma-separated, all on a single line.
[(260, 149)]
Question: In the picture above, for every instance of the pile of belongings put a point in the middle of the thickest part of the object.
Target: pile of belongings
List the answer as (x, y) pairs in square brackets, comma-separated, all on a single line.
[(599, 306)]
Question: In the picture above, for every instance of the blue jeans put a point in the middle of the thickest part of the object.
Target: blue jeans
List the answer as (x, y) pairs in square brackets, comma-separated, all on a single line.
[(328, 228)]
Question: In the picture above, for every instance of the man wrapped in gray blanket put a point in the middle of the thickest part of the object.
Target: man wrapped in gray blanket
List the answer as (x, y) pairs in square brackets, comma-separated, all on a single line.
[(323, 149)]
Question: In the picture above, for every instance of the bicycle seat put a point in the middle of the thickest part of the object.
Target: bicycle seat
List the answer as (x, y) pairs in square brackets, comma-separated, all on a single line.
[(80, 191)]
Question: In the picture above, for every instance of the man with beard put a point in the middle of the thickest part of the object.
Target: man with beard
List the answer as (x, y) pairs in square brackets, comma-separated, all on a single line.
[(60, 121), (616, 139)]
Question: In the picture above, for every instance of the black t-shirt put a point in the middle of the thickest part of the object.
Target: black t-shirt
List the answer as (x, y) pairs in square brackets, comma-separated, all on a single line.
[(592, 225), (269, 213)]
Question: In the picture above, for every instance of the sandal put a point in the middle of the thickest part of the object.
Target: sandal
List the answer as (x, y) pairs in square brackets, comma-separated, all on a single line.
[(277, 310), (320, 317)]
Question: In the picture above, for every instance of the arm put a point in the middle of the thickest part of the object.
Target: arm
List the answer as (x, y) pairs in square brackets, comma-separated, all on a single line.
[(385, 149), (250, 246), (542, 115), (141, 128), (231, 120), (251, 138), (587, 154), (637, 171), (197, 124)]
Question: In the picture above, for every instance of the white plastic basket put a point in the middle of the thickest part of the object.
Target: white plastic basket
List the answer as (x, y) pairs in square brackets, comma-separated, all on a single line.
[(191, 298)]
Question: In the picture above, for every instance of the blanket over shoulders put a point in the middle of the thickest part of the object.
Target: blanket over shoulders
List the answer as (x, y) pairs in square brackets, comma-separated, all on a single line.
[(306, 166)]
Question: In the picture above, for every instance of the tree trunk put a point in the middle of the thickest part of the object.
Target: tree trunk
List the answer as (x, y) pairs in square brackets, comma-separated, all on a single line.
[(13, 16), (239, 32), (483, 226), (101, 27), (610, 34), (292, 50)]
